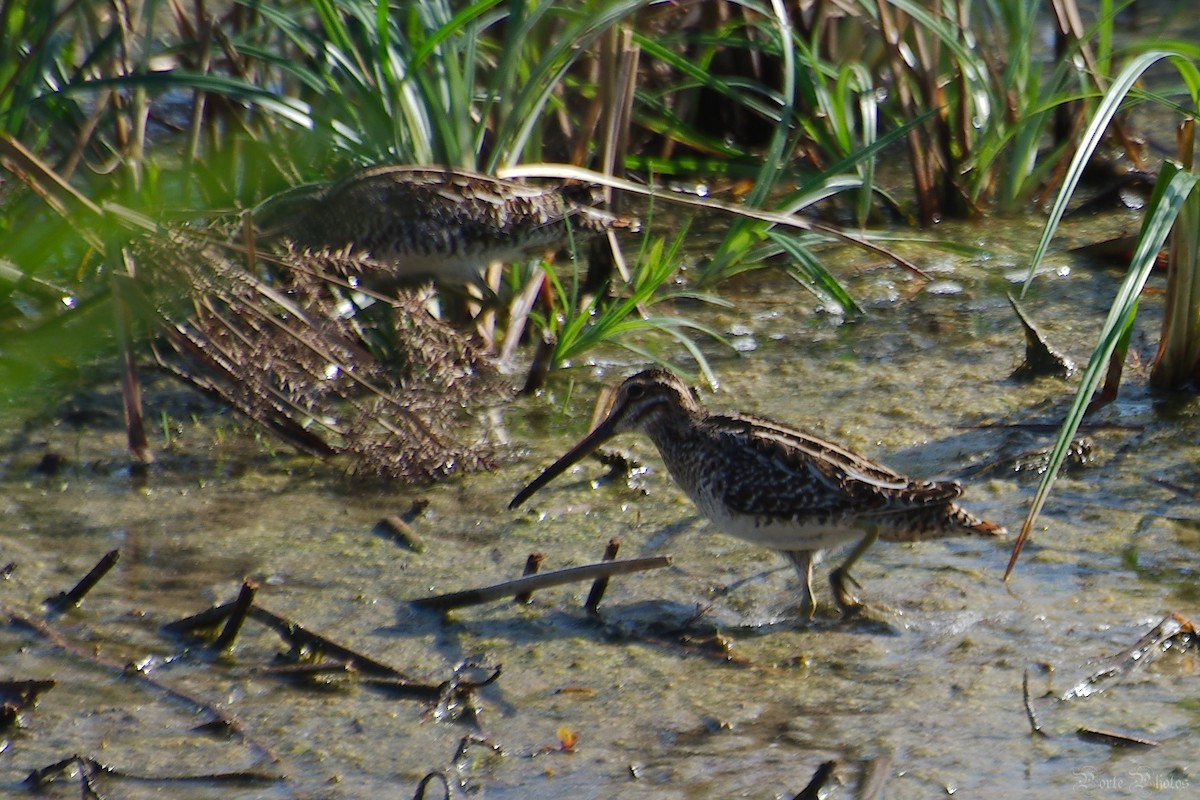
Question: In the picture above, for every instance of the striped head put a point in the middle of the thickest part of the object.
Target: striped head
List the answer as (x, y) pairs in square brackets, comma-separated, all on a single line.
[(644, 402)]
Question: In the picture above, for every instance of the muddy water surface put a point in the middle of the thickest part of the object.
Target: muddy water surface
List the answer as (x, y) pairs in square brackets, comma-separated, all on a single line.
[(696, 681)]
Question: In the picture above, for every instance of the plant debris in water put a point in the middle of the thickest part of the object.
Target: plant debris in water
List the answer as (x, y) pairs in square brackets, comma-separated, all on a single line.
[(1173, 631), (333, 370), (1040, 358)]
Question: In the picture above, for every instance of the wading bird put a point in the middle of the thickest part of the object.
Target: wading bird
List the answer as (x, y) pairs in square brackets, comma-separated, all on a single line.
[(775, 486), (436, 223)]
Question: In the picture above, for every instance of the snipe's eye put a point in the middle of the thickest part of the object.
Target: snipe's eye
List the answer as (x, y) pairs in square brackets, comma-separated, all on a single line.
[(636, 392)]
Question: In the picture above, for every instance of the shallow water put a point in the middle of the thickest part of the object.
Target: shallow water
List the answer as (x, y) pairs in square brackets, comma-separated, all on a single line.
[(925, 689)]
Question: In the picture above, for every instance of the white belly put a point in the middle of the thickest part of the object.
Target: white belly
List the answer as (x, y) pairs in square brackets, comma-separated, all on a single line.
[(786, 534)]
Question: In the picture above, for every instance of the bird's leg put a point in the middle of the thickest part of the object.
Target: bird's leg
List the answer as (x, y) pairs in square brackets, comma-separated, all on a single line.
[(802, 560), (839, 577)]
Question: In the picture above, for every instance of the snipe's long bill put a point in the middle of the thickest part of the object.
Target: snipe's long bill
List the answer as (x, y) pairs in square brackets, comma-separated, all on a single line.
[(775, 486)]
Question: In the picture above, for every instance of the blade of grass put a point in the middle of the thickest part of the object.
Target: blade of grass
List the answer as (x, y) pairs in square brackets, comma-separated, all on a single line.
[(1171, 191), (809, 273), (1090, 139)]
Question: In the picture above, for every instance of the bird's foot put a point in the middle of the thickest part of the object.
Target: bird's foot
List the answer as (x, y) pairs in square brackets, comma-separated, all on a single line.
[(849, 604)]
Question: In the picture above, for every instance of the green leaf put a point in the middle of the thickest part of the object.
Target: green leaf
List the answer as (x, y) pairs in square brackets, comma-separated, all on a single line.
[(1170, 192)]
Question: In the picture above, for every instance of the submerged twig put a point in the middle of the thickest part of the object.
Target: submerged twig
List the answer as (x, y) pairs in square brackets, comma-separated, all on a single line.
[(1178, 488), (600, 585), (397, 687), (227, 722), (464, 744), (1172, 631), (64, 600), (717, 647), (400, 532), (1081, 452), (452, 697), (342, 660), (424, 784), (472, 597), (1113, 739), (1034, 724), (532, 565), (90, 768), (457, 700), (307, 674), (1051, 427)]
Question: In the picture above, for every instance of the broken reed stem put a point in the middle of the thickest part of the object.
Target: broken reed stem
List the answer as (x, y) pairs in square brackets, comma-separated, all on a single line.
[(209, 618), (64, 600), (295, 635), (400, 532), (1113, 739), (532, 565), (237, 616), (301, 639), (592, 605), (227, 723), (472, 597), (131, 390)]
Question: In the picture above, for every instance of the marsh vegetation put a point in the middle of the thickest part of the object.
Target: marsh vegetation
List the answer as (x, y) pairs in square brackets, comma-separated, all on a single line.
[(851, 183)]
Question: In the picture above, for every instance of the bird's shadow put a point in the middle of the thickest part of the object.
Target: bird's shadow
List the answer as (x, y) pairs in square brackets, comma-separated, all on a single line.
[(653, 621), (685, 630)]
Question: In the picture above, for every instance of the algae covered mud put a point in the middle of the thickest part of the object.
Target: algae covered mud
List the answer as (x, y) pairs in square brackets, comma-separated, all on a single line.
[(699, 680)]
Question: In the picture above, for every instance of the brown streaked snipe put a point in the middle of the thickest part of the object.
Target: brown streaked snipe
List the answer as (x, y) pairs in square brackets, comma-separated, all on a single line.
[(435, 222), (776, 486)]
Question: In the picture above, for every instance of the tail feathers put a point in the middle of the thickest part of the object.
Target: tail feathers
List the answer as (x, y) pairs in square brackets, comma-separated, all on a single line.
[(597, 220), (974, 526)]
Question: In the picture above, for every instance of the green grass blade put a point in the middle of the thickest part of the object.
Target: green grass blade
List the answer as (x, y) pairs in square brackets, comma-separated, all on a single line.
[(1171, 191), (290, 109), (1109, 106), (806, 270)]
